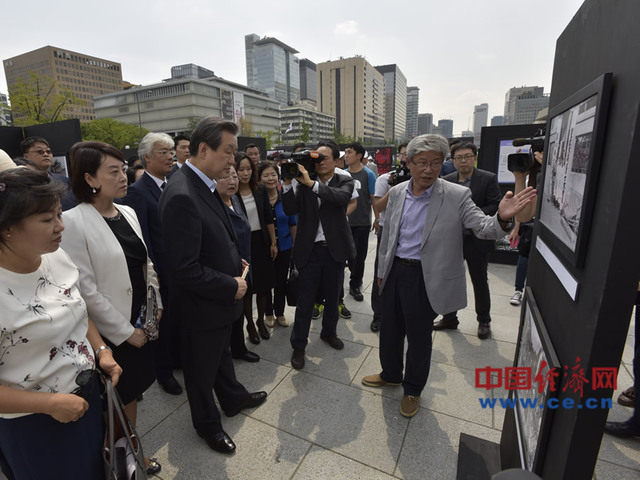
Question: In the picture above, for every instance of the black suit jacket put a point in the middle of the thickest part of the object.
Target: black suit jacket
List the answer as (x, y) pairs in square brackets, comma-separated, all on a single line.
[(143, 196), (332, 213), (205, 256), (486, 194)]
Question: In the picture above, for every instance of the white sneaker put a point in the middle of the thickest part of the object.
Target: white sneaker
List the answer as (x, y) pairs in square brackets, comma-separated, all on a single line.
[(516, 299)]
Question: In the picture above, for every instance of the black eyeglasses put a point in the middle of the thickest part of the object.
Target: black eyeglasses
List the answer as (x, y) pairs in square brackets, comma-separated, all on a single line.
[(85, 383)]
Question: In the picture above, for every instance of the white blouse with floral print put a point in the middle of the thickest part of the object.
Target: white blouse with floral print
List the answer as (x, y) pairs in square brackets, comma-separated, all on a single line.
[(43, 328)]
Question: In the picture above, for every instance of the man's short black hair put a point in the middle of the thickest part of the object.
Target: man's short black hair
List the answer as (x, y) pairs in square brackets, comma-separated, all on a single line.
[(251, 145), (463, 146), (209, 130), (335, 150), (180, 137), (28, 142), (358, 148), (404, 144)]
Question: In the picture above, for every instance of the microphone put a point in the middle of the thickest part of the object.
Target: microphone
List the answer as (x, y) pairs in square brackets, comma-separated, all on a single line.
[(519, 142)]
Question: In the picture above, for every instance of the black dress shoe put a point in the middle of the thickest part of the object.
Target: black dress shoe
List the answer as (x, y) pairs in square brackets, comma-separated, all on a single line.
[(484, 330), (171, 386), (247, 357), (297, 359), (442, 325), (621, 429), (264, 332), (221, 442), (255, 399), (334, 341), (375, 325), (356, 294), (153, 466)]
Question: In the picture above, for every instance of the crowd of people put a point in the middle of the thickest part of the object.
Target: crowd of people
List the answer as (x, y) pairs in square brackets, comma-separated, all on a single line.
[(198, 230)]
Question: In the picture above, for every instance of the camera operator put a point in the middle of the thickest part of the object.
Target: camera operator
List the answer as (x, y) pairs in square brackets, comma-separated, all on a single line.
[(322, 246)]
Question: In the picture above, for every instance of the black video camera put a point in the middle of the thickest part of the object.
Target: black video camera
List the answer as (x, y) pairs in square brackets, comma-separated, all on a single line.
[(400, 173), (526, 162), (306, 158)]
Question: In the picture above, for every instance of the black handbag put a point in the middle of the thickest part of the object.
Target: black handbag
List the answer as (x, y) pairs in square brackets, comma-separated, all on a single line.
[(123, 458), (292, 286)]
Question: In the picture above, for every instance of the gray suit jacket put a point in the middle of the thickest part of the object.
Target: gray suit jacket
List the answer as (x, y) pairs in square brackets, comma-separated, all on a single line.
[(450, 211)]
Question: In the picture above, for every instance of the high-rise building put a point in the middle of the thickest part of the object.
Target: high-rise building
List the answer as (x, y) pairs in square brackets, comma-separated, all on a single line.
[(425, 123), (480, 117), (444, 128), (273, 68), (497, 121), (413, 104), (522, 104), (308, 81), (352, 90), (83, 75), (395, 102), (190, 70), (295, 119), (5, 110)]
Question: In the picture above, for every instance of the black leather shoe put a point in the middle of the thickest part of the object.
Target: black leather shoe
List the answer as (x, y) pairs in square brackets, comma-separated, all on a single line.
[(262, 329), (255, 399), (221, 442), (297, 359), (171, 386), (375, 325), (484, 330), (356, 293), (442, 325), (621, 429), (153, 466), (334, 341), (247, 357)]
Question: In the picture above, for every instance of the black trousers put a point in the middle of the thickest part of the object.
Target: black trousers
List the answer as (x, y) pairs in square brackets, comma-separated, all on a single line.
[(376, 299), (320, 269), (361, 240), (166, 349), (478, 263), (407, 313), (277, 302), (208, 367)]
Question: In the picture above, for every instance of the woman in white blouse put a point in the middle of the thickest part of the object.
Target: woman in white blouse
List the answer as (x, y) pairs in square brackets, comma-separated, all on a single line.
[(50, 408), (105, 241)]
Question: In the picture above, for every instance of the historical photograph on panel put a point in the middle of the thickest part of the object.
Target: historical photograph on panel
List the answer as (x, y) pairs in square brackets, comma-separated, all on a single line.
[(570, 139)]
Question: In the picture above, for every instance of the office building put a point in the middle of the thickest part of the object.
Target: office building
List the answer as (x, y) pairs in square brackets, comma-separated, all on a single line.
[(5, 110), (83, 75), (170, 105), (190, 70), (273, 68), (395, 102), (425, 123), (480, 117), (352, 90), (444, 128), (497, 121), (294, 119), (522, 104), (308, 81), (413, 104)]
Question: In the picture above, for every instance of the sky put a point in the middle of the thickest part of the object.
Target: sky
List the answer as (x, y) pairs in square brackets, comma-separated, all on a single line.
[(460, 53)]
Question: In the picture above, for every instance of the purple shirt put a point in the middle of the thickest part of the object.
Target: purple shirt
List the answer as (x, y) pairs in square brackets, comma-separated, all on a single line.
[(414, 215)]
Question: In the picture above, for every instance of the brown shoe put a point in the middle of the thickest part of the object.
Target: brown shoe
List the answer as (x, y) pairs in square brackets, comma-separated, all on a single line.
[(628, 397), (377, 381), (409, 406), (297, 359), (484, 331)]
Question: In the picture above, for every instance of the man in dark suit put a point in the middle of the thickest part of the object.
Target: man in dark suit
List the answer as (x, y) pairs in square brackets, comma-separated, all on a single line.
[(485, 193), (156, 150), (181, 143), (205, 271), (323, 244)]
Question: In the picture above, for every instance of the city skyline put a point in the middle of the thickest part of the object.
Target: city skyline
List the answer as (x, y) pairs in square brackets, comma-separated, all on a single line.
[(453, 75)]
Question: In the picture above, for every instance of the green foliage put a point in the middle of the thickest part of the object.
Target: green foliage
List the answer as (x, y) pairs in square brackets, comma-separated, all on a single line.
[(110, 131), (34, 101), (268, 137), (340, 138), (305, 132), (191, 125)]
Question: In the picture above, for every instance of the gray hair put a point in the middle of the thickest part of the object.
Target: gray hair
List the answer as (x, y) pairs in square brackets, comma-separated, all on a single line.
[(428, 143), (149, 140)]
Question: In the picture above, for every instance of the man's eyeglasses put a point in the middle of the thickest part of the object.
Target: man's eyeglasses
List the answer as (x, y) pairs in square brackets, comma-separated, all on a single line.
[(41, 152), (468, 157), (164, 152), (425, 165), (402, 155)]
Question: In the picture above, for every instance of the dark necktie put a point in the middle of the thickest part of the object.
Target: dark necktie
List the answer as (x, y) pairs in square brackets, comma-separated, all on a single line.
[(164, 184)]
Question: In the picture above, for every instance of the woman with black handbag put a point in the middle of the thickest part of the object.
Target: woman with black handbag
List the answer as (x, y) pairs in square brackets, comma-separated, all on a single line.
[(50, 408)]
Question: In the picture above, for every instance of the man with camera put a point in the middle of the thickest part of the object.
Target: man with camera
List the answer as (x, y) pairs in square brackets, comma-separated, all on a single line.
[(322, 246), (485, 193)]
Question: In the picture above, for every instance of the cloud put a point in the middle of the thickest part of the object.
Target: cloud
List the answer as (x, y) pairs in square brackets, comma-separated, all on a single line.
[(350, 27)]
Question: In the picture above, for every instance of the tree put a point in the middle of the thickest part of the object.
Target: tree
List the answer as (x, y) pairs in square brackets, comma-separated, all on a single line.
[(191, 125), (108, 130), (340, 138), (35, 100), (305, 132), (268, 137)]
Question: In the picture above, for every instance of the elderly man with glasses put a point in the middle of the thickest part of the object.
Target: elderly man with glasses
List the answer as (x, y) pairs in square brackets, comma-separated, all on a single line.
[(421, 266), (485, 193)]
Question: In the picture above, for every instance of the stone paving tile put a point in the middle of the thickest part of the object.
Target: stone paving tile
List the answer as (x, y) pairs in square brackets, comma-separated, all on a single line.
[(611, 471), (323, 463)]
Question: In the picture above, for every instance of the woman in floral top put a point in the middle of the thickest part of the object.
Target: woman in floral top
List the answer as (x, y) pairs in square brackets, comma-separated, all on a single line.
[(50, 427)]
